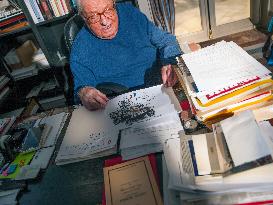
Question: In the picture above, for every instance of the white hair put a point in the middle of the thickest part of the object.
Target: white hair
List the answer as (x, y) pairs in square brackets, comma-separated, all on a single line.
[(79, 6)]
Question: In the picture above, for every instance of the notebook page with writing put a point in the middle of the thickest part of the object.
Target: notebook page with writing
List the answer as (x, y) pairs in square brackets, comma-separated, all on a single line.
[(222, 65)]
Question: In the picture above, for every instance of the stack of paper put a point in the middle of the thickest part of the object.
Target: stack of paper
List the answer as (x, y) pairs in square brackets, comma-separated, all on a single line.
[(136, 142), (223, 78), (202, 170), (142, 111), (152, 117), (52, 128)]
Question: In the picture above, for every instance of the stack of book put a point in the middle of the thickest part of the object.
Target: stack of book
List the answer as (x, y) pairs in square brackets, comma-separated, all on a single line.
[(11, 18), (222, 79), (42, 10), (235, 158)]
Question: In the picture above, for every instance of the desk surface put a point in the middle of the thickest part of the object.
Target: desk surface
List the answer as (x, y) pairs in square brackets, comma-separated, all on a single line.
[(77, 183), (72, 184)]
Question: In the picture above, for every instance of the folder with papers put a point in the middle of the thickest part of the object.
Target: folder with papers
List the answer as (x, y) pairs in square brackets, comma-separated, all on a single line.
[(222, 79)]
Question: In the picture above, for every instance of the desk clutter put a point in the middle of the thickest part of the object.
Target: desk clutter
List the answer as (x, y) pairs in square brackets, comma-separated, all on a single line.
[(222, 79), (26, 148), (138, 117), (219, 167)]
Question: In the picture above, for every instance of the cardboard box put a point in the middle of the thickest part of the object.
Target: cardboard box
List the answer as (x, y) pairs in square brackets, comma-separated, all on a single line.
[(25, 53)]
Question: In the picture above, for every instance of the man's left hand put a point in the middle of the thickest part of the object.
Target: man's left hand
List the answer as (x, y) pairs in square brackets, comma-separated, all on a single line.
[(168, 75)]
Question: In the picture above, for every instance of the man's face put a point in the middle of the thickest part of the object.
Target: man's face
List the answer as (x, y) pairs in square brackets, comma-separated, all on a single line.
[(101, 17)]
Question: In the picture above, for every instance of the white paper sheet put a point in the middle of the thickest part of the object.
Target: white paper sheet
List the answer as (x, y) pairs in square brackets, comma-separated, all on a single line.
[(201, 154), (244, 138), (222, 65), (138, 151), (267, 132), (171, 197), (56, 122), (178, 179), (140, 106), (87, 133), (42, 157), (151, 136)]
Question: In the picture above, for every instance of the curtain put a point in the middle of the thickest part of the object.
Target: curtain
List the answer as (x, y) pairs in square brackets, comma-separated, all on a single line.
[(164, 14)]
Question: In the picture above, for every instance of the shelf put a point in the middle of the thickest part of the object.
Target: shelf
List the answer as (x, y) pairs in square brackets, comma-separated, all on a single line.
[(23, 73), (26, 28), (55, 19), (4, 81)]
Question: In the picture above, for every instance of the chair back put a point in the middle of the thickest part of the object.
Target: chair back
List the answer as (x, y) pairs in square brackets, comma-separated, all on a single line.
[(71, 29)]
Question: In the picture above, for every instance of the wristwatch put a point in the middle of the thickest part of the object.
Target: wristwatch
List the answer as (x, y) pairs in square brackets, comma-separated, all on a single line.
[(190, 125)]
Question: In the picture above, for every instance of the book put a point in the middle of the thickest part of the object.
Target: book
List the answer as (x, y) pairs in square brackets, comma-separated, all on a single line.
[(131, 182), (49, 7), (12, 20), (31, 11), (36, 10), (60, 7), (67, 2), (19, 25), (118, 160), (64, 6), (54, 8)]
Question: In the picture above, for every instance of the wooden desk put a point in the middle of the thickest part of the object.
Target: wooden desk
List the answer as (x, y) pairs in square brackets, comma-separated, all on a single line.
[(77, 183)]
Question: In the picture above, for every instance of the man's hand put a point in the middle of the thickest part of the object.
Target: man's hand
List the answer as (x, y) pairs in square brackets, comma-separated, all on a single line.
[(194, 46), (168, 75), (92, 98)]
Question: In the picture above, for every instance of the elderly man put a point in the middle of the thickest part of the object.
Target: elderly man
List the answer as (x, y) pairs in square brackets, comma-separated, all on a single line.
[(118, 44)]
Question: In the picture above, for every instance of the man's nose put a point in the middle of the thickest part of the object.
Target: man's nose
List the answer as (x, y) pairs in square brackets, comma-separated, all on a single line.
[(103, 20)]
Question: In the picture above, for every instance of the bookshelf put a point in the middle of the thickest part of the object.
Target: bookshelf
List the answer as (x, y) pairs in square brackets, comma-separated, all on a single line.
[(48, 31), (47, 35)]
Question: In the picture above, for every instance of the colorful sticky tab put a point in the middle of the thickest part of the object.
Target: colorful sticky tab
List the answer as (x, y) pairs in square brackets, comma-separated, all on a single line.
[(4, 168), (12, 168)]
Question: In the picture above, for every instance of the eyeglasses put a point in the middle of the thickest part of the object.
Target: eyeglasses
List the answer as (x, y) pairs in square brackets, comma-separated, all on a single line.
[(96, 17)]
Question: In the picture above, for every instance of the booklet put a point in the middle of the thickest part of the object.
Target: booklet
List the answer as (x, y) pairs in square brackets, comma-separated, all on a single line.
[(131, 183)]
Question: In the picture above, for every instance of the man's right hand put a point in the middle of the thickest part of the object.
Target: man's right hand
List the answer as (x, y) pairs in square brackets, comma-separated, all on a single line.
[(92, 98)]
